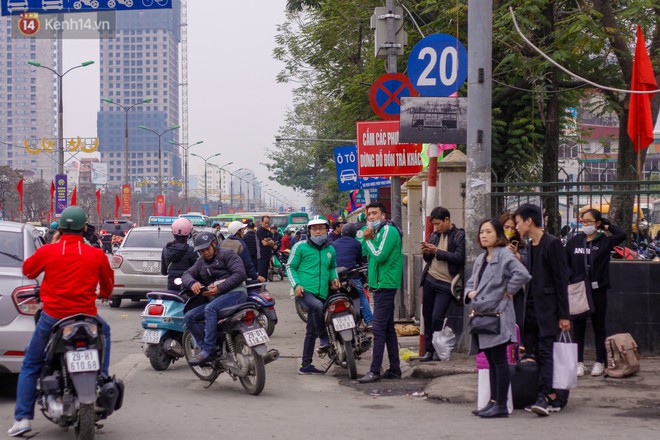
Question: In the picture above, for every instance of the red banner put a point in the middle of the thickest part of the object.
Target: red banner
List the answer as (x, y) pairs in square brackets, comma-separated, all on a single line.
[(126, 200), (98, 203), (117, 205), (142, 211), (640, 119), (161, 207), (381, 155), (19, 188), (52, 199), (74, 196)]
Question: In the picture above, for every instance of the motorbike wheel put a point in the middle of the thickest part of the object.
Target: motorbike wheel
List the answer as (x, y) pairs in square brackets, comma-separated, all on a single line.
[(270, 276), (190, 349), (266, 323), (85, 428), (350, 360), (159, 360), (302, 313), (248, 359), (115, 302)]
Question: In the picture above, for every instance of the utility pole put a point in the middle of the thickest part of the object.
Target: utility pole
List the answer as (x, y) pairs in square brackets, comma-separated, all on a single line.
[(392, 68)]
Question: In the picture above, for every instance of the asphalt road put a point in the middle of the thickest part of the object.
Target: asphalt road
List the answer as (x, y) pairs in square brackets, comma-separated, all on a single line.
[(175, 404)]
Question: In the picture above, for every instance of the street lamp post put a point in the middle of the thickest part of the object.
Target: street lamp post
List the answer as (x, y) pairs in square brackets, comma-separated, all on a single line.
[(185, 169), (254, 190), (126, 110), (160, 164), (206, 194), (221, 169), (60, 109)]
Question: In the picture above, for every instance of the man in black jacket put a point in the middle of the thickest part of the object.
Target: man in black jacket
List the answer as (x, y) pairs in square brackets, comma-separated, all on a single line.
[(546, 312), (444, 254), (218, 272)]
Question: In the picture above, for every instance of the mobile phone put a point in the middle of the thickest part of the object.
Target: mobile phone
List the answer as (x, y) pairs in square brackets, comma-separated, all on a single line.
[(514, 242)]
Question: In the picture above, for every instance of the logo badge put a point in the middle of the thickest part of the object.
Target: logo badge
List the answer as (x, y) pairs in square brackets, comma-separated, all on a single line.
[(29, 24)]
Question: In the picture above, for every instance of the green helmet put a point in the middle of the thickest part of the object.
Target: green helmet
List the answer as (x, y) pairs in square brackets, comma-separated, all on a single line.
[(361, 217), (318, 220), (73, 218)]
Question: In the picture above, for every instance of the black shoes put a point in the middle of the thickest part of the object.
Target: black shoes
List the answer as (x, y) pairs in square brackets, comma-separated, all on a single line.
[(540, 408), (428, 357), (497, 410), (369, 378), (488, 406), (389, 374)]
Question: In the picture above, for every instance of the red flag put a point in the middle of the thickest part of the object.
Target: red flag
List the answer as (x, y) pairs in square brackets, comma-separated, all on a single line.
[(74, 196), (640, 121), (142, 209), (117, 205), (171, 210), (189, 209), (19, 187), (178, 212), (98, 203), (52, 197)]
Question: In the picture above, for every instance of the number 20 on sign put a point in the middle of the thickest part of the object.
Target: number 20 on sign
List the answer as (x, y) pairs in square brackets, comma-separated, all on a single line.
[(437, 65)]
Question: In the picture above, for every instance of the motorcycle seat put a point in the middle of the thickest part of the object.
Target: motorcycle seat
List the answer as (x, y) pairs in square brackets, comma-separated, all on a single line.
[(229, 311)]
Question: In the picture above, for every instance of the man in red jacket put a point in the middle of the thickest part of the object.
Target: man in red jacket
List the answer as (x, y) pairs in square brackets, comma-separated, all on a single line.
[(72, 271)]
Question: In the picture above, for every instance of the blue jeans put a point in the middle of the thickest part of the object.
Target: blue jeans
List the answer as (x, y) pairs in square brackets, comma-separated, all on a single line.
[(202, 321), (26, 393), (384, 333), (315, 326), (365, 308)]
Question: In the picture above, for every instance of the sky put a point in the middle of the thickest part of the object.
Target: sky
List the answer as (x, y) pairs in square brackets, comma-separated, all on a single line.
[(235, 104)]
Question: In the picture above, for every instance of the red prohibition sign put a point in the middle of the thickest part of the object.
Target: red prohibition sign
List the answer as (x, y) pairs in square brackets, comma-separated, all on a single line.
[(386, 92)]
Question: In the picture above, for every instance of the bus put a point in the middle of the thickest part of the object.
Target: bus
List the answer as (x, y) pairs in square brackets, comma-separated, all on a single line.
[(242, 217), (290, 220), (197, 219)]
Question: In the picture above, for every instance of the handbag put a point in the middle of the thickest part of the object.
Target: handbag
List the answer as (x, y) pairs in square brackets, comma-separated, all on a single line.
[(580, 301), (484, 323), (564, 363)]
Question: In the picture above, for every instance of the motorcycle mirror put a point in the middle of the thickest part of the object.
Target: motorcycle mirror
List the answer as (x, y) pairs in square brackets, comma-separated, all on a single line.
[(178, 281)]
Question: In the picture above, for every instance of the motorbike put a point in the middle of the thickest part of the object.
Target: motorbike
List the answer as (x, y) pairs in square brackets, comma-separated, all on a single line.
[(341, 313), (162, 320), (259, 296), (278, 266), (241, 349), (71, 390)]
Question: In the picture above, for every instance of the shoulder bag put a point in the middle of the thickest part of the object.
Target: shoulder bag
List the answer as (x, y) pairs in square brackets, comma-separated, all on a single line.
[(580, 302), (484, 323)]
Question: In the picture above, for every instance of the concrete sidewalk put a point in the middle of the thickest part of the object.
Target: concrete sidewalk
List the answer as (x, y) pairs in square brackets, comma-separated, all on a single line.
[(455, 381)]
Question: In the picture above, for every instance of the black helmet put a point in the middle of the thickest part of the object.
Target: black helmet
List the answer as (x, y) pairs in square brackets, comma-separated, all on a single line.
[(349, 229), (73, 218), (204, 240)]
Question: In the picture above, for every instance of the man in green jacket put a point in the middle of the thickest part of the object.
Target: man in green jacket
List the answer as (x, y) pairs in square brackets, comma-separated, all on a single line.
[(384, 250), (311, 268)]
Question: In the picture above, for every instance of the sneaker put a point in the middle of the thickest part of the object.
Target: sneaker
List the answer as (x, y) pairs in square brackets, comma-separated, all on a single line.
[(309, 369), (580, 369), (598, 369), (201, 358), (541, 407), (20, 427), (554, 405)]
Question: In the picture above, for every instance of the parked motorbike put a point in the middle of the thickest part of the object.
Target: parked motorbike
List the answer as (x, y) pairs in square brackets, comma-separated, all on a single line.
[(162, 320), (71, 390), (278, 266), (341, 313), (259, 296), (241, 351)]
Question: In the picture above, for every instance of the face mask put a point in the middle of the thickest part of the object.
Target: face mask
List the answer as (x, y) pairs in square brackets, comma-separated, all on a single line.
[(509, 234), (318, 239), (375, 224), (589, 229)]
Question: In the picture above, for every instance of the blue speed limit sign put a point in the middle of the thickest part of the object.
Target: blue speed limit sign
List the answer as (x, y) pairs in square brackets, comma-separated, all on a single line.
[(437, 65)]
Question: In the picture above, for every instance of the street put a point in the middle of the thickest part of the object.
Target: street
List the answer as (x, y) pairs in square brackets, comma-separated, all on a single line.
[(175, 404)]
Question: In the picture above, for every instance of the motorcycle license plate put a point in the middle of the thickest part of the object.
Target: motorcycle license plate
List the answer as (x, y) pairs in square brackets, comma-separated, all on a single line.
[(81, 361), (151, 336), (256, 337), (343, 322), (151, 266)]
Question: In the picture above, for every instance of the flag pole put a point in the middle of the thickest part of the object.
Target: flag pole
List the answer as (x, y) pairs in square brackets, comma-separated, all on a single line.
[(639, 187)]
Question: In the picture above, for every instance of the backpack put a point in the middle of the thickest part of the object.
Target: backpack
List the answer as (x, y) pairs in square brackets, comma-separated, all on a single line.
[(622, 355)]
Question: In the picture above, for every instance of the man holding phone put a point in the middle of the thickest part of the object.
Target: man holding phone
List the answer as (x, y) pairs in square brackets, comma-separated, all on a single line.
[(444, 254)]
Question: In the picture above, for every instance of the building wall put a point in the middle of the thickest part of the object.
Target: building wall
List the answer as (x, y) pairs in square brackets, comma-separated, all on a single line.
[(141, 62), (28, 102)]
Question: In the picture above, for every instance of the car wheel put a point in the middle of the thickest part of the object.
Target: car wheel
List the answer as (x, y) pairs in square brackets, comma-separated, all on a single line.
[(115, 302)]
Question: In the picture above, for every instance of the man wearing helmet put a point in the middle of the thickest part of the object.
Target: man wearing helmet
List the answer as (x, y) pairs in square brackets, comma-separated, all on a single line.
[(235, 243), (311, 267), (218, 274), (72, 271), (177, 256)]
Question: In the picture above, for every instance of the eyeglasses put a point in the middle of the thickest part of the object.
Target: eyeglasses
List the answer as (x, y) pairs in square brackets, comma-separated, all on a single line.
[(588, 222)]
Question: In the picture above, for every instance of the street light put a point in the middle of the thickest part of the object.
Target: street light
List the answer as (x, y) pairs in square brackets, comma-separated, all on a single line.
[(126, 110), (206, 195), (60, 109), (160, 167), (221, 169), (185, 168), (240, 189), (254, 190)]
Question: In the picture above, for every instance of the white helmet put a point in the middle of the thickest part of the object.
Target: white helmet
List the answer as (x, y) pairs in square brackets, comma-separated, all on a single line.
[(235, 226)]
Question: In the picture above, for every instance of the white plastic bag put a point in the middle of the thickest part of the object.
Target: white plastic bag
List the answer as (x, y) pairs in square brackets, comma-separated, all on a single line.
[(483, 391), (444, 342), (564, 363)]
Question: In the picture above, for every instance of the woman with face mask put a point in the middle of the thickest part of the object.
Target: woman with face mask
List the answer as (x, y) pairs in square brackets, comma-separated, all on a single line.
[(589, 260)]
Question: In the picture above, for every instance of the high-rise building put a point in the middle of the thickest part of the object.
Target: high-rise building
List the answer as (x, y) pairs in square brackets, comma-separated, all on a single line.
[(141, 62), (28, 103)]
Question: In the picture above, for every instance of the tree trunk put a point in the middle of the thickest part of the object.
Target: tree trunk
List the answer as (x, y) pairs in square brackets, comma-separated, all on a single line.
[(551, 216)]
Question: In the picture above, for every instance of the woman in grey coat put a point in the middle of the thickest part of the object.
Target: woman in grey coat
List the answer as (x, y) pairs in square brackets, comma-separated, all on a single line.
[(496, 276)]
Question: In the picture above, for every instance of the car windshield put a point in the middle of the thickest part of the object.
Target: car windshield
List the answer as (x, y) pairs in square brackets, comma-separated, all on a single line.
[(11, 249), (148, 239)]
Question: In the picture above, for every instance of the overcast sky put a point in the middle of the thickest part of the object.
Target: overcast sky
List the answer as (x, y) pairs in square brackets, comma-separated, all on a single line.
[(235, 104)]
